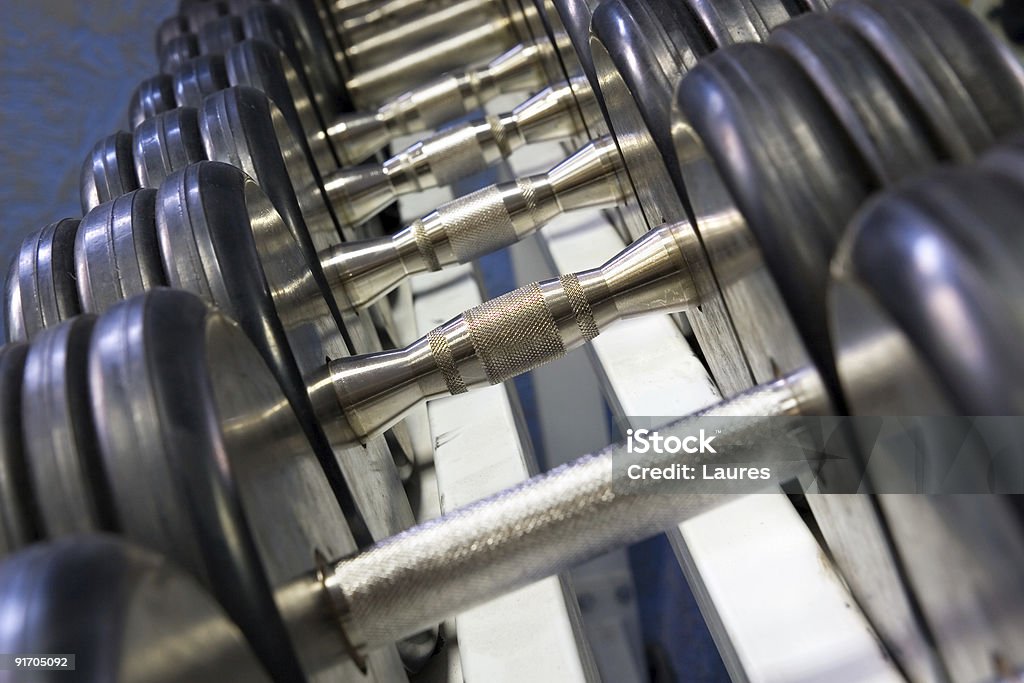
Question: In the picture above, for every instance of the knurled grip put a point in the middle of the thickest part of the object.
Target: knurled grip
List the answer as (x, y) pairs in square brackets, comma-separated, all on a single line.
[(438, 102), (478, 223), (455, 154), (514, 333)]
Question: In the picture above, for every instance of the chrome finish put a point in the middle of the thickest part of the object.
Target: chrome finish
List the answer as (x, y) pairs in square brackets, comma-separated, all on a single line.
[(108, 171), (361, 54), (115, 261), (166, 143), (40, 285), (453, 154), (479, 223), (541, 527), (373, 86), (357, 136), (229, 486), (61, 449), (153, 96), (361, 396)]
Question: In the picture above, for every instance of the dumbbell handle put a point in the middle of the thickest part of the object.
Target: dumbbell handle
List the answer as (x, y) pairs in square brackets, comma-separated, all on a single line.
[(371, 50), (382, 15), (358, 136), (548, 524), (361, 396), (476, 224), (361, 192)]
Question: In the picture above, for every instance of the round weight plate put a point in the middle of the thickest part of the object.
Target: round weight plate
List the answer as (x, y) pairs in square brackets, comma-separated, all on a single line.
[(18, 524), (59, 437), (166, 143), (218, 35), (991, 74), (729, 21), (220, 238), (262, 66), (153, 96), (207, 461), (116, 251), (640, 52), (912, 53), (787, 164), (41, 282), (127, 614), (169, 29), (199, 77), (927, 282), (177, 52), (108, 172), (276, 25), (875, 110), (242, 127)]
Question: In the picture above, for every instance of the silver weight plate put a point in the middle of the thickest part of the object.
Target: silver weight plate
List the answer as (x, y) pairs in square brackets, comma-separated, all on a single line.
[(40, 287), (128, 615), (254, 270), (208, 463), (166, 143), (875, 110), (242, 127), (153, 96), (116, 251), (64, 467), (108, 171), (261, 65), (177, 51), (169, 29), (197, 78), (730, 21), (18, 525)]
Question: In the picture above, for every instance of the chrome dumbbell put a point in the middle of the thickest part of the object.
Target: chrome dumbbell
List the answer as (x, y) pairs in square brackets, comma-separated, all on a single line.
[(589, 507)]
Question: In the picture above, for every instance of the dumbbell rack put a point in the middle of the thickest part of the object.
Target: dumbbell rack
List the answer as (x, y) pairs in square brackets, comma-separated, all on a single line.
[(788, 612), (645, 367)]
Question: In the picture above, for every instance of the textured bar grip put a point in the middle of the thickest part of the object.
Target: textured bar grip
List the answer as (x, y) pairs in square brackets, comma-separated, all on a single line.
[(438, 102), (477, 224), (514, 333), (455, 154)]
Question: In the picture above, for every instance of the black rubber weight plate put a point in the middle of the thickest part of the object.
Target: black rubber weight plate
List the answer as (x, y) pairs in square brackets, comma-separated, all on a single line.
[(791, 169), (875, 110)]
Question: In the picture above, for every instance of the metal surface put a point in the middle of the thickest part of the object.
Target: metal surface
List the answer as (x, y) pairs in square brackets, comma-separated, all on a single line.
[(453, 154), (207, 462), (61, 450), (515, 537), (471, 226), (18, 524), (508, 336), (39, 290), (136, 616)]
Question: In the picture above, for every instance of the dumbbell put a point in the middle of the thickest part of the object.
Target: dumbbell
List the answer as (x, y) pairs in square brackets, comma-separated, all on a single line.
[(578, 511), (893, 136), (259, 276), (370, 86), (230, 489), (120, 609), (851, 198)]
